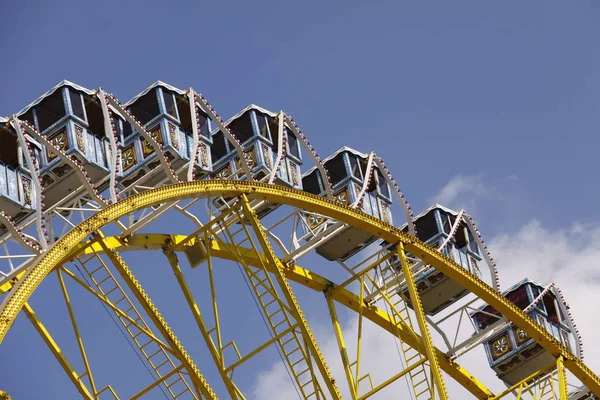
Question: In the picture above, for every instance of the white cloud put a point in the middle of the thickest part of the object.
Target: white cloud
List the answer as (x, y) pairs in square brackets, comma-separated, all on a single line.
[(461, 191), (569, 257)]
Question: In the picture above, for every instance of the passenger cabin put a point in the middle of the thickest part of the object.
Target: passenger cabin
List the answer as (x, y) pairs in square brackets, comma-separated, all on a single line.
[(164, 111), (258, 131), (511, 353), (434, 227), (17, 199), (347, 170), (71, 117)]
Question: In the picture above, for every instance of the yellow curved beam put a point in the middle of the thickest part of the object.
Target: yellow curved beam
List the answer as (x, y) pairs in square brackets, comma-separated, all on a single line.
[(16, 298)]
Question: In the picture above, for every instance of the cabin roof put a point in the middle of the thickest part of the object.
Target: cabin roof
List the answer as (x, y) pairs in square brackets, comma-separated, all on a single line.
[(428, 210), (335, 153), (514, 287), (244, 110), (251, 107), (54, 89), (152, 86)]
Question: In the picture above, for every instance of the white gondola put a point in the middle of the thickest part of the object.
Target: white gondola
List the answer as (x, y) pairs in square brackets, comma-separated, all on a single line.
[(16, 198), (69, 116), (165, 112), (434, 227), (348, 172), (511, 353), (273, 154)]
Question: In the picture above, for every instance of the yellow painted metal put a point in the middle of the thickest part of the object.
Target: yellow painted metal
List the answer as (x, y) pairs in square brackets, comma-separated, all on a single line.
[(62, 360), (392, 379), (522, 385), (311, 280), (156, 383), (260, 348), (291, 299), (16, 299), (342, 346), (152, 349), (76, 331), (216, 354), (158, 320), (418, 308), (562, 379), (117, 311)]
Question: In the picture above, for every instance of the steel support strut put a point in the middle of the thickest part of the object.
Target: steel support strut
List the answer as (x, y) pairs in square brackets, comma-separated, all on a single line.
[(418, 308), (76, 379), (291, 298), (232, 389), (158, 320)]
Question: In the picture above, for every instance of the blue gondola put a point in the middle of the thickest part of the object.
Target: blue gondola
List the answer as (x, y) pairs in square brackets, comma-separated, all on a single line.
[(347, 169), (511, 353), (258, 131), (17, 199), (71, 117), (165, 112), (433, 227)]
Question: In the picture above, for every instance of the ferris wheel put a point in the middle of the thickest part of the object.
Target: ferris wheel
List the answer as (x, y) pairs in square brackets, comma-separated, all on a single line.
[(159, 251)]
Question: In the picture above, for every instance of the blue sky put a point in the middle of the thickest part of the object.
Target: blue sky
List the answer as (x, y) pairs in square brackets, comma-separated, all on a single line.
[(500, 100)]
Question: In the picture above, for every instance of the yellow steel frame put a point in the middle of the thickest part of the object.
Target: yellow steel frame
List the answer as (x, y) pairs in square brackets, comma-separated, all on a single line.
[(217, 354), (62, 360), (16, 299), (158, 320), (418, 308), (290, 298)]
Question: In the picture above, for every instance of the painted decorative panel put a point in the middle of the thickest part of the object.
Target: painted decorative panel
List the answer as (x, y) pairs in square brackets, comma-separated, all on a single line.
[(59, 140), (173, 136), (79, 140), (128, 158)]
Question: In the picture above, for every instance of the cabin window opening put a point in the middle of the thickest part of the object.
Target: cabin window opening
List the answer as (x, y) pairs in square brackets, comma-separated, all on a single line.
[(28, 116), (519, 297), (484, 319), (384, 189), (9, 149), (310, 183), (219, 147), (185, 117), (446, 223), (263, 129), (337, 169), (204, 125), (242, 127), (550, 309), (426, 226), (372, 183), (472, 242), (146, 107), (460, 236), (274, 129), (355, 167), (170, 105), (293, 145), (95, 116), (127, 129), (49, 111), (76, 104)]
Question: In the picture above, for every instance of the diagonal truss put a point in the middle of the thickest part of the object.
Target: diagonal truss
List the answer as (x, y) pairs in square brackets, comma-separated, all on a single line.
[(16, 299)]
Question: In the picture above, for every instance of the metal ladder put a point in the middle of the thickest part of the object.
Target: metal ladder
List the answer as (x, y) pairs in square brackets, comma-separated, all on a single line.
[(418, 376), (546, 387), (290, 340), (152, 352)]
